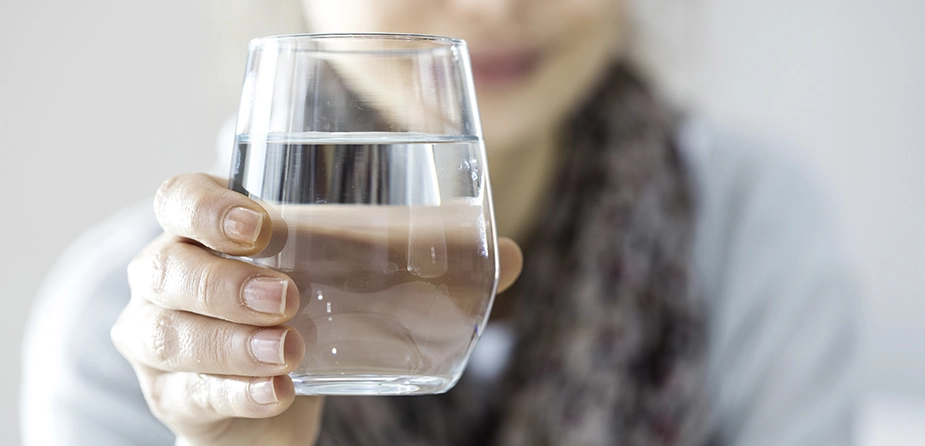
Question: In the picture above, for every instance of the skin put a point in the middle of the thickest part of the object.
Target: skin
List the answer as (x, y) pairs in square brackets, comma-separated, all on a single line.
[(188, 330), (210, 351), (569, 42)]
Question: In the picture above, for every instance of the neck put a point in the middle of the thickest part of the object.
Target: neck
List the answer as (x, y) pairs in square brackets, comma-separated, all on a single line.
[(520, 176)]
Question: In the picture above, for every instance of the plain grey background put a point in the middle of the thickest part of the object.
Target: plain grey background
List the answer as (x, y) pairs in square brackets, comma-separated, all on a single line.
[(101, 100)]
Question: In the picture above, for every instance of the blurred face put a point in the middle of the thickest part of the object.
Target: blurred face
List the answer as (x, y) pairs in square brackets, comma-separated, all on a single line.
[(533, 60)]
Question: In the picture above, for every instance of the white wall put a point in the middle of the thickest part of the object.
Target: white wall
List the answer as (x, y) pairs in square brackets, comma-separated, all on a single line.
[(101, 100), (844, 82)]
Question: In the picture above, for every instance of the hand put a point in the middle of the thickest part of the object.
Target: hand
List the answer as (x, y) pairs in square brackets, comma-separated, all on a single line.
[(204, 334)]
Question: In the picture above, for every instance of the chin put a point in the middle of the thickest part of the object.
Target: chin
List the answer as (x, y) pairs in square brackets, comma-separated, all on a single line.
[(514, 117), (505, 134)]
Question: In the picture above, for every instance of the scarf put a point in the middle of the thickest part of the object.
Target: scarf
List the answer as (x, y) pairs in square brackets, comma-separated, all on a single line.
[(610, 331)]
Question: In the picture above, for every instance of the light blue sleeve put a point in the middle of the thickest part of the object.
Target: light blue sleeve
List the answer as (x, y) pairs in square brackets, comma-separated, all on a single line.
[(76, 388), (781, 296)]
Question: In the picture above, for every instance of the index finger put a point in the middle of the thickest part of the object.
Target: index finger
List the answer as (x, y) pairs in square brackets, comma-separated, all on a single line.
[(201, 208)]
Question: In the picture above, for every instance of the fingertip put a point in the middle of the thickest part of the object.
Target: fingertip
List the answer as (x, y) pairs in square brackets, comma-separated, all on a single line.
[(511, 261), (285, 390), (246, 227), (271, 298), (263, 391), (293, 348), (275, 393), (202, 208), (243, 225), (293, 299), (246, 223)]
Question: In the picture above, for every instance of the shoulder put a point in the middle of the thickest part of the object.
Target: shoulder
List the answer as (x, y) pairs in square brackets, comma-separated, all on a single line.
[(71, 372), (93, 260), (754, 199), (734, 167), (779, 292)]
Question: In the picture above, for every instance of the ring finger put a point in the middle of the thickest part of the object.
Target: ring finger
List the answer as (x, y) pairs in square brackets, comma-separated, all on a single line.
[(170, 340)]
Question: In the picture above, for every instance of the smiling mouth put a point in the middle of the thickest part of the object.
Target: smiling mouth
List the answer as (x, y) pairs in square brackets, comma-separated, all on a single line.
[(503, 67)]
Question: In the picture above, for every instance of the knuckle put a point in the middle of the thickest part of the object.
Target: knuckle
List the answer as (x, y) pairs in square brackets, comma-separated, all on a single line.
[(164, 399), (198, 208), (200, 390), (162, 340), (157, 263), (164, 193), (182, 204), (124, 333), (207, 287), (152, 391), (212, 396), (160, 274), (217, 350), (205, 209)]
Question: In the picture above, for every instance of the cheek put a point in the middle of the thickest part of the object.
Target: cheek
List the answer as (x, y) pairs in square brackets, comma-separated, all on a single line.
[(601, 15), (595, 6), (580, 45), (568, 25)]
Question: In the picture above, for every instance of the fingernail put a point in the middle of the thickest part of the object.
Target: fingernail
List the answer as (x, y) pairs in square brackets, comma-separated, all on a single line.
[(263, 391), (267, 346), (266, 295), (243, 225)]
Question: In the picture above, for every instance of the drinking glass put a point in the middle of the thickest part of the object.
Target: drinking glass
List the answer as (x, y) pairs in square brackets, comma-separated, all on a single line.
[(367, 151)]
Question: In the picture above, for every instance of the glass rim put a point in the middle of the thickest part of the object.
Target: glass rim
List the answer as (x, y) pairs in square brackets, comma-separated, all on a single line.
[(443, 42)]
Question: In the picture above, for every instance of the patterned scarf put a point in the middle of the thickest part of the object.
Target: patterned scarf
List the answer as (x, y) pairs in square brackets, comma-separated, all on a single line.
[(610, 330)]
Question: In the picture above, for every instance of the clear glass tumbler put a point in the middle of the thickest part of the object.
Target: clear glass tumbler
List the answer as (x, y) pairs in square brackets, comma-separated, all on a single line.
[(367, 151)]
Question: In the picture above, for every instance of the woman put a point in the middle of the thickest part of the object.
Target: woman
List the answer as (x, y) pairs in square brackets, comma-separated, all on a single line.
[(670, 294)]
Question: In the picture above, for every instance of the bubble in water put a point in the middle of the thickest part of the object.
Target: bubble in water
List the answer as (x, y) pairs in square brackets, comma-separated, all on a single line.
[(444, 290), (391, 268), (334, 350)]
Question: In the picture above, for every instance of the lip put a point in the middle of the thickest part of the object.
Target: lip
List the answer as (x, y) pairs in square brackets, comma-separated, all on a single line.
[(503, 67)]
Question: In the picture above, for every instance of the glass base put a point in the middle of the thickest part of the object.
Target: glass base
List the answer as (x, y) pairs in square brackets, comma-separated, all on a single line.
[(369, 385)]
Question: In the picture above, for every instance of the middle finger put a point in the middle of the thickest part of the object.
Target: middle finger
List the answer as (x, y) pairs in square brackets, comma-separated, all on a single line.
[(174, 274)]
